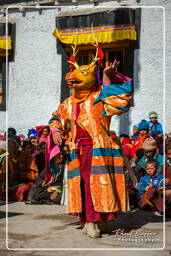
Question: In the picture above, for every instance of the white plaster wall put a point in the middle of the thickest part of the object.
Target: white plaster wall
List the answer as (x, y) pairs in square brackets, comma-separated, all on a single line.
[(150, 93), (35, 76), (167, 108), (148, 67)]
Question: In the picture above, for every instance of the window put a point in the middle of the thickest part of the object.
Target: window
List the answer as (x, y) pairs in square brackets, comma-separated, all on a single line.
[(111, 52), (2, 86), (10, 47), (0, 83), (120, 50)]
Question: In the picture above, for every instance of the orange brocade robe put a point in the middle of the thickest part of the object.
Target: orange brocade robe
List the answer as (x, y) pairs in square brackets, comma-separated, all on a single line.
[(107, 181)]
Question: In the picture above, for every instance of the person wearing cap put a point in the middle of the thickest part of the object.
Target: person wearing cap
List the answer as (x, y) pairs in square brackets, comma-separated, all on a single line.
[(135, 132), (149, 146), (155, 128), (143, 128)]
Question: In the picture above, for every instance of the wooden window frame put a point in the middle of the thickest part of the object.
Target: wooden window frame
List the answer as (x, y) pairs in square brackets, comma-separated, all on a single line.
[(3, 102), (126, 46), (106, 47)]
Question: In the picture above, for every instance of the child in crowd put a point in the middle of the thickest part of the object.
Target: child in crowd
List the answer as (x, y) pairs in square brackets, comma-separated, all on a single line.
[(43, 132), (150, 188), (143, 128), (155, 128), (135, 132), (149, 147), (32, 132)]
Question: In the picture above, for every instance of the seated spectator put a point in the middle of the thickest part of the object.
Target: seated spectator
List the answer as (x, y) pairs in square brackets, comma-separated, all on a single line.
[(3, 153), (22, 138), (149, 147), (3, 156), (32, 132), (135, 132), (168, 178), (22, 171), (123, 136), (168, 167), (12, 134), (12, 177), (139, 154), (143, 128), (34, 141), (28, 147), (168, 142), (50, 193), (43, 132), (155, 128), (2, 137), (159, 140), (150, 188), (115, 138), (112, 134), (39, 156), (127, 147)]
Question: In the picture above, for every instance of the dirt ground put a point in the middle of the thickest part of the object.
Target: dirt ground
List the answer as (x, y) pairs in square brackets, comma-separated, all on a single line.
[(49, 230)]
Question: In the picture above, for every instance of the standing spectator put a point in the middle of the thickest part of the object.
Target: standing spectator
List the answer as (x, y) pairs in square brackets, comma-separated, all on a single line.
[(155, 128)]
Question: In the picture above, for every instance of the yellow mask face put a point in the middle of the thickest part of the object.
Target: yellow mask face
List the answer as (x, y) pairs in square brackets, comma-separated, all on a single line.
[(83, 77)]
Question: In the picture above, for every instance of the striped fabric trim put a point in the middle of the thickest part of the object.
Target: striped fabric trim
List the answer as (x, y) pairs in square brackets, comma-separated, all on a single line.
[(114, 89), (107, 169), (98, 152), (54, 118), (106, 152), (123, 109), (88, 30), (71, 156), (75, 172)]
